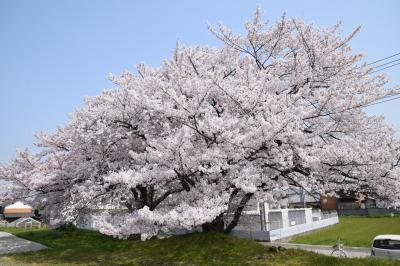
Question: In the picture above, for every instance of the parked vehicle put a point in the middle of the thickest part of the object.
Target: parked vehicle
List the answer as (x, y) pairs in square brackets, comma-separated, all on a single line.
[(387, 246)]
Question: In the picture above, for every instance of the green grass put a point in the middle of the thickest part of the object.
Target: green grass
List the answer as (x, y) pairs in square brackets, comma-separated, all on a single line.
[(353, 231), (73, 247)]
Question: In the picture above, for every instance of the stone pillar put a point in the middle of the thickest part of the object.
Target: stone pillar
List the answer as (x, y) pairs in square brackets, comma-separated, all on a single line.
[(285, 218), (308, 213)]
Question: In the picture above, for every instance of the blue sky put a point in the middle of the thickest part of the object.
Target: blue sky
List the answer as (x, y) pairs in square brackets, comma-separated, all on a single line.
[(53, 53)]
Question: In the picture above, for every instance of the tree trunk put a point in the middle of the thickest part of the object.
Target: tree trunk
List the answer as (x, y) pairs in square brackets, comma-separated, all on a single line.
[(238, 212), (216, 225)]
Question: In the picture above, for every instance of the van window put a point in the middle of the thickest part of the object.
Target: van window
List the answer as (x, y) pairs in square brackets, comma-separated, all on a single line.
[(387, 244)]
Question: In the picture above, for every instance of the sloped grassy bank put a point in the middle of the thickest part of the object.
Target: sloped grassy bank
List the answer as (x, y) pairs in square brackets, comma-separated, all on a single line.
[(81, 247)]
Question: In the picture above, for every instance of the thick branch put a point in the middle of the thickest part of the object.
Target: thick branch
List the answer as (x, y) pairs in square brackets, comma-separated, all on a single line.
[(238, 212)]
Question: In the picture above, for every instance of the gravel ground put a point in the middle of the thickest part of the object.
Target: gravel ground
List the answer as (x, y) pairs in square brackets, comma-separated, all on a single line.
[(12, 244)]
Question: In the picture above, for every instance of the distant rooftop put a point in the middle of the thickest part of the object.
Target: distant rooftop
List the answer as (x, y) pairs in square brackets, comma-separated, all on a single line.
[(18, 205)]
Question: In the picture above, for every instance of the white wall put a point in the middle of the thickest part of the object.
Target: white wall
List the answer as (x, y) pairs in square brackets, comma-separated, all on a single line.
[(273, 233), (301, 228)]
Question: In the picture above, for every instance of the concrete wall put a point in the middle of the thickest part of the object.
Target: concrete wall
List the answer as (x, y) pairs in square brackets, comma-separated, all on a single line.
[(296, 217), (284, 232), (274, 220), (262, 225), (282, 223), (278, 218), (250, 222), (367, 212), (301, 228)]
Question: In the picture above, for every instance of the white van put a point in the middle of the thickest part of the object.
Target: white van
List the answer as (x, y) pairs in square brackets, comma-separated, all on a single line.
[(387, 246)]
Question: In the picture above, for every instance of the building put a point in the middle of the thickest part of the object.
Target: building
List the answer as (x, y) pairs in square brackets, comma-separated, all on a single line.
[(301, 198), (346, 202), (356, 206), (18, 214), (16, 210), (26, 222)]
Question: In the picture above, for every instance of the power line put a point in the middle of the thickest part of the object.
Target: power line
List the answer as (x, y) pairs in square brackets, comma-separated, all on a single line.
[(382, 59), (380, 69), (370, 104), (384, 68), (388, 100), (374, 103), (387, 63), (377, 70)]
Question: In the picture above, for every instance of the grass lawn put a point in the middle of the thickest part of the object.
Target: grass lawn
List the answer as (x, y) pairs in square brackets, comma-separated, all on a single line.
[(353, 231), (73, 247)]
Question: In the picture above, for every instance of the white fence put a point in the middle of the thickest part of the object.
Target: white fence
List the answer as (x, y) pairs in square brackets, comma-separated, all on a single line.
[(282, 223), (301, 228)]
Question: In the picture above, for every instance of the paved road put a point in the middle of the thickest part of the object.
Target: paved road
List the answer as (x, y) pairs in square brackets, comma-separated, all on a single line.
[(351, 252), (12, 244)]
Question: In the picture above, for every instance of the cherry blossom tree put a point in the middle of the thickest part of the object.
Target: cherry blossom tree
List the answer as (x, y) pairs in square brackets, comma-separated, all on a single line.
[(189, 143)]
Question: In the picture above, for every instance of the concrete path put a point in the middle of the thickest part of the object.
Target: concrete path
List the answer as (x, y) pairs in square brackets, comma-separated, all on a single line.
[(12, 244), (351, 252)]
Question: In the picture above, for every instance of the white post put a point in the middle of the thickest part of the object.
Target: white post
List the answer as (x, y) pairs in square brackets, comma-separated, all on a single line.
[(285, 218), (308, 214), (266, 220)]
